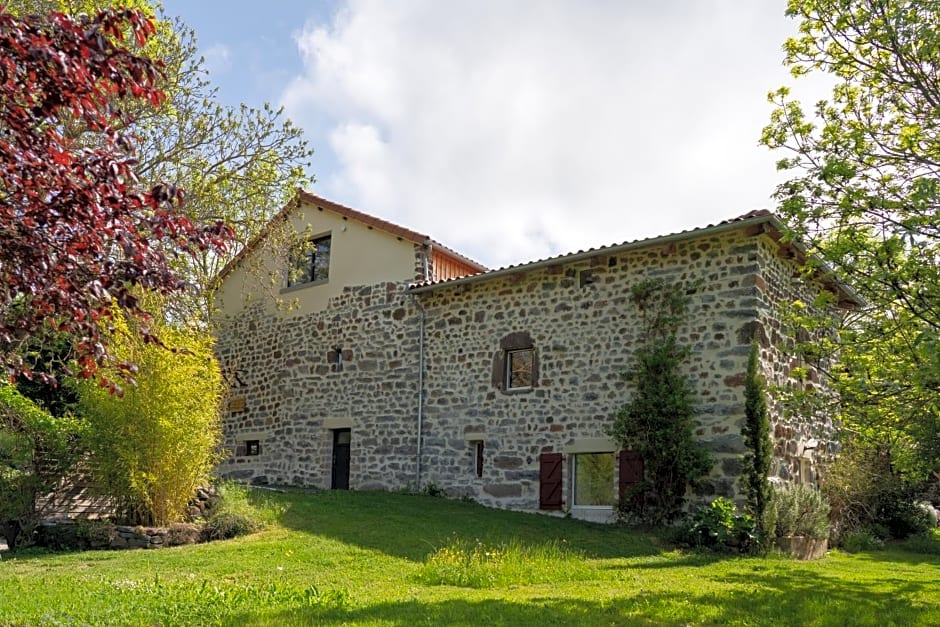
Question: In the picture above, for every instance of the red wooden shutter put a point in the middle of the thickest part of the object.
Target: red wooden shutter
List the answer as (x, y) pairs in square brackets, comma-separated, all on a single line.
[(550, 481), (631, 471)]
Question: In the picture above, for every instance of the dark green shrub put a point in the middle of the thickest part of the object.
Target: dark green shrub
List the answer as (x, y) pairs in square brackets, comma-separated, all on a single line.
[(864, 540), (719, 527), (925, 544), (904, 518)]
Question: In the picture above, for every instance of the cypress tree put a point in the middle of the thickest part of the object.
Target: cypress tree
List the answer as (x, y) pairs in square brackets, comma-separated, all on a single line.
[(756, 433)]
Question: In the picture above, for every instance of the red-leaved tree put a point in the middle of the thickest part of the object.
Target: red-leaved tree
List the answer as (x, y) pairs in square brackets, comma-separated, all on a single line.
[(77, 234)]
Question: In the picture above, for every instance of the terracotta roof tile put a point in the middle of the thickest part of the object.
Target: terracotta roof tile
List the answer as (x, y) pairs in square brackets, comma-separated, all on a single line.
[(751, 215)]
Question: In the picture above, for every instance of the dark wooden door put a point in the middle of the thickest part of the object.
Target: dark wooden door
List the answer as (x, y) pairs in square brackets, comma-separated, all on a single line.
[(341, 440)]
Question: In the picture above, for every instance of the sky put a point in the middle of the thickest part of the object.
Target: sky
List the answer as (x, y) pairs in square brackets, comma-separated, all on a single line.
[(513, 130)]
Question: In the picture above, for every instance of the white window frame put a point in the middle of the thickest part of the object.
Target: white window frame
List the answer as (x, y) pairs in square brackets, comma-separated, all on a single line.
[(574, 457)]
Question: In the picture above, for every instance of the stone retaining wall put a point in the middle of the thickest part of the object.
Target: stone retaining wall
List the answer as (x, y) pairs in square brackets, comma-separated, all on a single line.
[(103, 535)]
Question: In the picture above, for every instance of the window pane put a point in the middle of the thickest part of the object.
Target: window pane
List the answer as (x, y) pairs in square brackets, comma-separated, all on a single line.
[(519, 368), (594, 479), (320, 266), (311, 262)]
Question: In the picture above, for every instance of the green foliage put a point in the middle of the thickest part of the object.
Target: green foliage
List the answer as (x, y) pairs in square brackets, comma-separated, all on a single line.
[(800, 511), (756, 434), (36, 452), (479, 565), (49, 353), (719, 527), (867, 494), (864, 193), (152, 448), (861, 541), (432, 489), (658, 420), (923, 544), (236, 514), (904, 518)]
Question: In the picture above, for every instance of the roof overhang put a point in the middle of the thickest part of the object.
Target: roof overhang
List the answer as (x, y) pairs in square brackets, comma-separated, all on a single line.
[(756, 223)]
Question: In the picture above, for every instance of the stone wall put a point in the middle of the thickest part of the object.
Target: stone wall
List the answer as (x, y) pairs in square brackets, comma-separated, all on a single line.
[(584, 333), (290, 393), (801, 438), (104, 535)]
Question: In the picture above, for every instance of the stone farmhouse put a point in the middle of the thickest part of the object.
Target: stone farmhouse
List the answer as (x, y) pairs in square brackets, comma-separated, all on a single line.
[(394, 362)]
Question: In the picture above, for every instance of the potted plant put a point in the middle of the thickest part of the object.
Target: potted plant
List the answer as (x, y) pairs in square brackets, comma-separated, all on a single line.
[(801, 523)]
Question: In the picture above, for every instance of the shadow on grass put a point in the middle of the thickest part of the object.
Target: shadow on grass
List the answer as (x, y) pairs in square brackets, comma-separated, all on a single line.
[(802, 598), (411, 526)]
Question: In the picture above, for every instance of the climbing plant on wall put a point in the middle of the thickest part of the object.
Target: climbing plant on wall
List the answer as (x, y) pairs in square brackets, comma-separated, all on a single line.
[(657, 421)]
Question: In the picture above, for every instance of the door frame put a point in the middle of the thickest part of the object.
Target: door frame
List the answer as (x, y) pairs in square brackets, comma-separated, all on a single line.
[(336, 478)]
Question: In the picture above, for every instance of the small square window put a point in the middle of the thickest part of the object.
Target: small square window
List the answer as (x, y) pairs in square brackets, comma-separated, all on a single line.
[(252, 447), (311, 263), (519, 368)]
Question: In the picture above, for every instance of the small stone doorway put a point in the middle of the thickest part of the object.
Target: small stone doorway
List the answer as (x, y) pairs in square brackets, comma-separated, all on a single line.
[(341, 441)]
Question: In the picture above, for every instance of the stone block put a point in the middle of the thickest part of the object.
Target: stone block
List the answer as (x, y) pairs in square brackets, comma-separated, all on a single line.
[(502, 490), (504, 462)]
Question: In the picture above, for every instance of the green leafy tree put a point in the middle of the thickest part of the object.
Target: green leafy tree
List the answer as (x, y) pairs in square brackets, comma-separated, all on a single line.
[(36, 451), (238, 165), (152, 448), (756, 433), (864, 193), (657, 422)]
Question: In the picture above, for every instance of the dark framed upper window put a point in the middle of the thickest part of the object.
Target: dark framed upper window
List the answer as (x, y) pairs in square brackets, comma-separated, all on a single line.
[(311, 263), (519, 368), (516, 364), (252, 447)]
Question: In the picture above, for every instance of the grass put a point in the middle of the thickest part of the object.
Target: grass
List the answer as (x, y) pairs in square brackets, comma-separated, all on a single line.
[(390, 559)]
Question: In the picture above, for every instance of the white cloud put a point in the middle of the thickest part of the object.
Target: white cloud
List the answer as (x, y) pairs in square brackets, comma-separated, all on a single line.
[(218, 59), (513, 130)]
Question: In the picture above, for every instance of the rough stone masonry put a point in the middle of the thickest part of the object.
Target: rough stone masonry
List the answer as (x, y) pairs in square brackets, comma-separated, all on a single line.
[(357, 365)]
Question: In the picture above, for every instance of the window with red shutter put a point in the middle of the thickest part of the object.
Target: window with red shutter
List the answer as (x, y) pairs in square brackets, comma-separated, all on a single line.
[(631, 471), (551, 481)]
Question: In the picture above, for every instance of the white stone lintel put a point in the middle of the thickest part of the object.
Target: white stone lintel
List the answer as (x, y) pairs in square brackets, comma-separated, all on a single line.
[(591, 445), (338, 423)]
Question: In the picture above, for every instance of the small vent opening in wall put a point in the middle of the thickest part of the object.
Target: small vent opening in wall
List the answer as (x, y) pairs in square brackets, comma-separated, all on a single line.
[(479, 457), (335, 358), (586, 277)]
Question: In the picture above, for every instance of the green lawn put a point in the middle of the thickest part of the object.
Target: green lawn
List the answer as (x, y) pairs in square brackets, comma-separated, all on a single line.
[(361, 558)]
